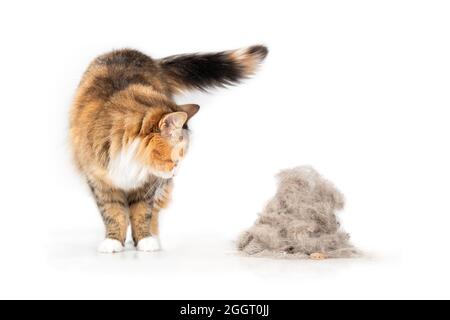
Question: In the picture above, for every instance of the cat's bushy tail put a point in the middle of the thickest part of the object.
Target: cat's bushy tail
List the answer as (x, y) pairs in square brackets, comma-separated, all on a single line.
[(203, 71)]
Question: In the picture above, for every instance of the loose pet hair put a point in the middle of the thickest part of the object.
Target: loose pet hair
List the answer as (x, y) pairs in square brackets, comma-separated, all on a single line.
[(300, 220)]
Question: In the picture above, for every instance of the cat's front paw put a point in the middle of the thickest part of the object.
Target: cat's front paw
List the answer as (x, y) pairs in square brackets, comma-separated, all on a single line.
[(110, 246), (149, 244)]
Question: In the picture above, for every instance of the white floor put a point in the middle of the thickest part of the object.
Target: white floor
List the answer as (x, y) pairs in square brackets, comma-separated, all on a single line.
[(208, 268)]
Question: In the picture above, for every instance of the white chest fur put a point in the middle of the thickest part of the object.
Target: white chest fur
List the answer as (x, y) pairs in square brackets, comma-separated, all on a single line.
[(124, 171)]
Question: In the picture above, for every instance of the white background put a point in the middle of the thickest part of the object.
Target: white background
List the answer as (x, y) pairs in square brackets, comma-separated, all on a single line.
[(358, 89)]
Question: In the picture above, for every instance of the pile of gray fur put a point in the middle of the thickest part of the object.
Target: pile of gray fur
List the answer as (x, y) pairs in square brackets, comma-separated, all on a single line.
[(300, 221)]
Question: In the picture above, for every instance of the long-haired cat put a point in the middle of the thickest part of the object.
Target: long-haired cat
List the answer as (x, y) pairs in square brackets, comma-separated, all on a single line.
[(128, 135)]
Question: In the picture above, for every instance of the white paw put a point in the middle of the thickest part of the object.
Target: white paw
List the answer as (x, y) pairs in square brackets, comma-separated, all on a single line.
[(110, 246), (149, 244)]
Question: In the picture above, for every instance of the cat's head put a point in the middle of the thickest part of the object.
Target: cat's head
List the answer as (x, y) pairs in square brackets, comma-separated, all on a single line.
[(169, 141)]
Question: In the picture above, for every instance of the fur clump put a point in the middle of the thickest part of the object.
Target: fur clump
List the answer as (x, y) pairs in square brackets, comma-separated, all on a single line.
[(300, 221)]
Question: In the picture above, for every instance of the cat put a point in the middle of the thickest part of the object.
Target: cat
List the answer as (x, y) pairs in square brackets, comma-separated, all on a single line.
[(128, 135)]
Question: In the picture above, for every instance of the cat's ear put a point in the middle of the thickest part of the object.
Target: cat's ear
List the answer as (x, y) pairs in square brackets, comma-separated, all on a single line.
[(190, 109), (172, 121)]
